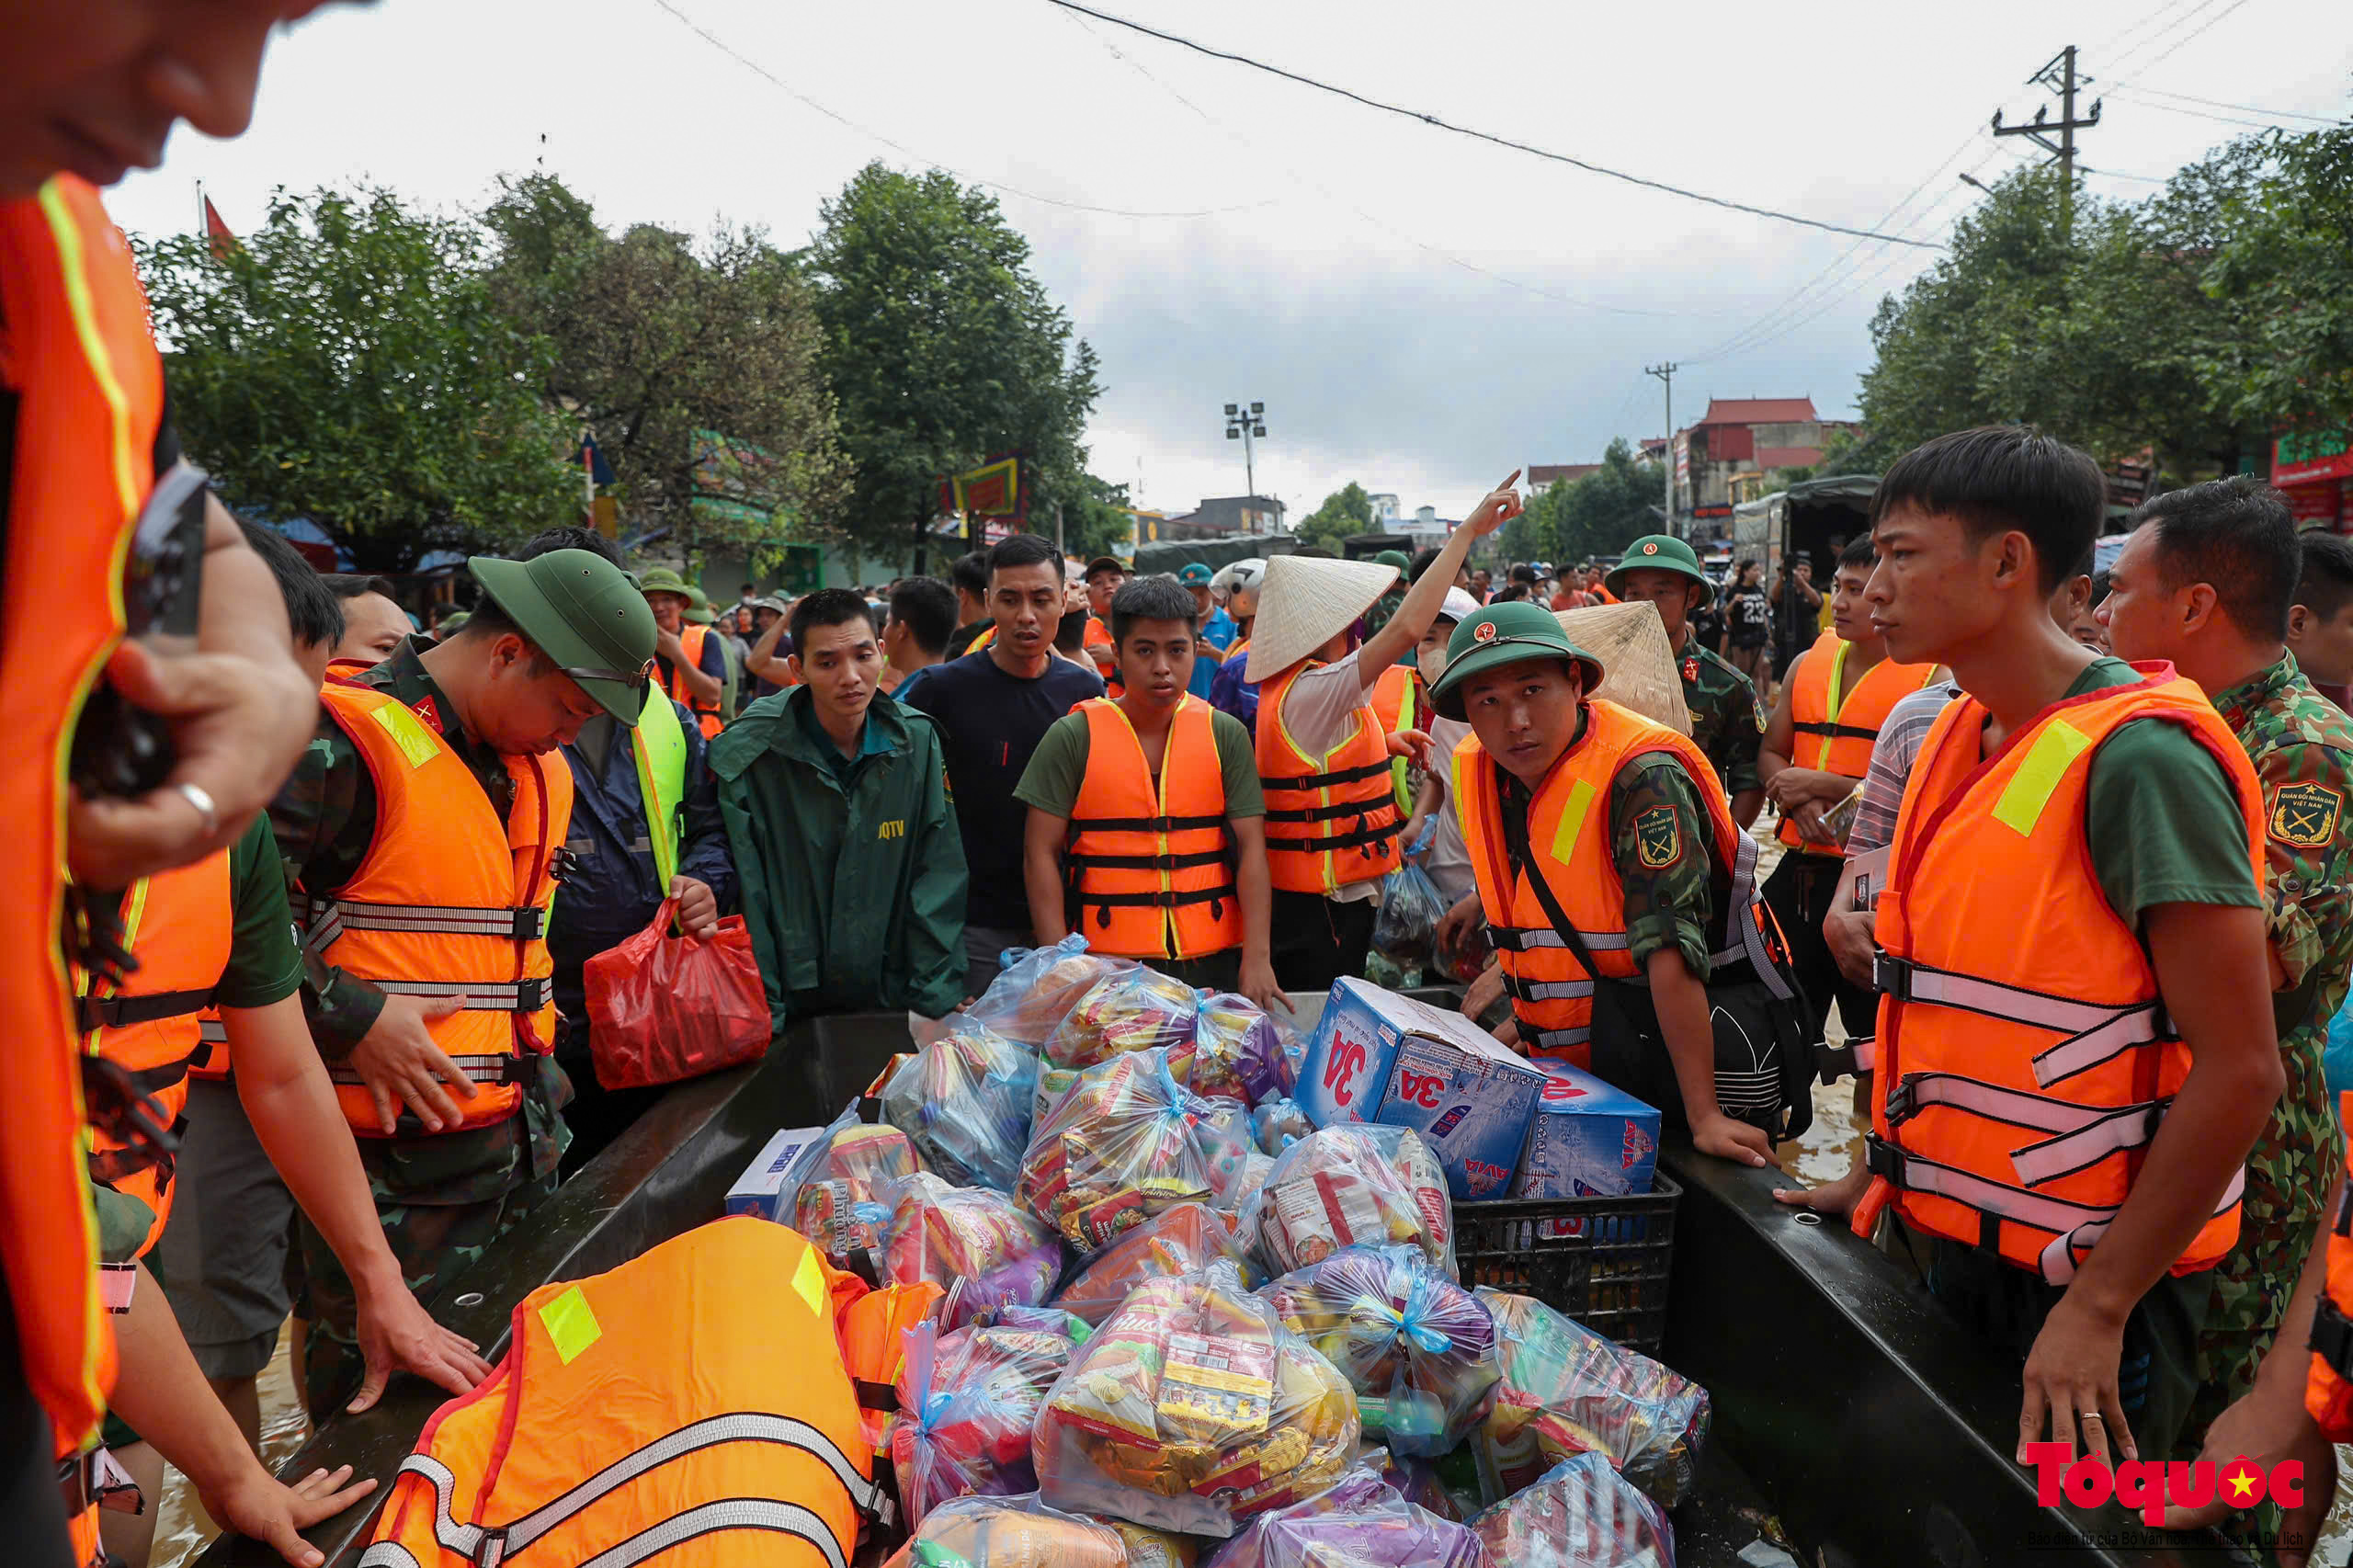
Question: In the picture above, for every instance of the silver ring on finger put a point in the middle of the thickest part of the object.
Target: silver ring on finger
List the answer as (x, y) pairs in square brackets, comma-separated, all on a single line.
[(2088, 1415), (206, 808)]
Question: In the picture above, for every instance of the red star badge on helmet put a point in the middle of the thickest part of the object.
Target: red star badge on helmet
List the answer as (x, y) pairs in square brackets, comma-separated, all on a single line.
[(1483, 632), (1651, 548)]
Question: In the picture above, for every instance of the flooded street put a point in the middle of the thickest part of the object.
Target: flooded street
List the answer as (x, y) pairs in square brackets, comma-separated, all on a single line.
[(181, 1527)]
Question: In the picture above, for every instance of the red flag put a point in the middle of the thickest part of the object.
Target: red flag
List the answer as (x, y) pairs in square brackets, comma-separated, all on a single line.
[(216, 231)]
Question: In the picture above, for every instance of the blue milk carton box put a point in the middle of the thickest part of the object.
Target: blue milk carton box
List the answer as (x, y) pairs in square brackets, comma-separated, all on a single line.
[(1469, 1097), (1587, 1139), (769, 1183), (1345, 1069)]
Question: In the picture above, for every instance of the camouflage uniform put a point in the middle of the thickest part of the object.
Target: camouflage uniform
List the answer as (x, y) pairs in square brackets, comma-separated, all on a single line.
[(2301, 746), (1726, 721), (1659, 838), (443, 1198)]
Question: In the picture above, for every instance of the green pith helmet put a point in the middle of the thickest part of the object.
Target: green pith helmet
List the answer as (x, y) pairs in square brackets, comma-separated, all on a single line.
[(1505, 634), (662, 580), (1659, 552), (582, 611), (698, 609)]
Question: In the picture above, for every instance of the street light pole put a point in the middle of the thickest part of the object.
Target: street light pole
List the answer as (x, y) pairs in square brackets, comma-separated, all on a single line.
[(1247, 426)]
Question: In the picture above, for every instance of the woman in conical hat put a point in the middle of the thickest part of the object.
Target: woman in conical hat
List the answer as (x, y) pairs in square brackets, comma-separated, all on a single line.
[(1332, 817)]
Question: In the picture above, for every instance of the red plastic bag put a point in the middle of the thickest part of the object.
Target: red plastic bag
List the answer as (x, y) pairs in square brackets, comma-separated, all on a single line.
[(663, 1007)]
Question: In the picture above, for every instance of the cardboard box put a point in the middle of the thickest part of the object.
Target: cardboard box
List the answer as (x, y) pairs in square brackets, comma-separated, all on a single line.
[(768, 1184), (1349, 1057), (1470, 1100), (1587, 1139), (1377, 1056)]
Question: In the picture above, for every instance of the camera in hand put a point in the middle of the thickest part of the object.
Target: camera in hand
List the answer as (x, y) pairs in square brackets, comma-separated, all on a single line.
[(119, 750)]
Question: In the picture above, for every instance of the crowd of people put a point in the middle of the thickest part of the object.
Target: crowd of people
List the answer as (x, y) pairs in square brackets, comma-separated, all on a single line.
[(297, 1017)]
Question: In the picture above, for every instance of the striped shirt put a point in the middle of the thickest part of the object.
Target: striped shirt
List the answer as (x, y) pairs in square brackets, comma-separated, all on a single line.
[(1900, 736)]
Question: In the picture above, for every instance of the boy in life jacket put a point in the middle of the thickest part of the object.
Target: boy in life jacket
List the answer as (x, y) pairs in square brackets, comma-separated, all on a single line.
[(1584, 817), (1332, 814), (2206, 582), (1816, 749), (423, 829), (2074, 1048), (1145, 830)]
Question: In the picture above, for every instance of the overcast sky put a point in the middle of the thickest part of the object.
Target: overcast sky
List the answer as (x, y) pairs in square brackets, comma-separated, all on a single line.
[(1418, 312)]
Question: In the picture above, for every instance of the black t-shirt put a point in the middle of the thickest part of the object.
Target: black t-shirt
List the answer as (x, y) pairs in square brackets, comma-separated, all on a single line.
[(1749, 615), (990, 722)]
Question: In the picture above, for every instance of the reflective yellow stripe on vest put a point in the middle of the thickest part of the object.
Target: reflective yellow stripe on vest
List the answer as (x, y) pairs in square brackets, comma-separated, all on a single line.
[(660, 749)]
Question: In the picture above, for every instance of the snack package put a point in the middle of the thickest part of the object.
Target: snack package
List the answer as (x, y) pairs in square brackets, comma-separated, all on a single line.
[(1008, 1533), (1418, 1347), (968, 1400), (1182, 1240), (1277, 1123), (1237, 1053), (964, 1101), (1294, 1054), (842, 1204), (1193, 1409), (1125, 1143), (1032, 992), (1565, 1389), (1580, 1514), (1135, 1009), (1221, 1132), (1417, 1167), (1361, 1522), (1335, 1188), (976, 1243), (1155, 1549)]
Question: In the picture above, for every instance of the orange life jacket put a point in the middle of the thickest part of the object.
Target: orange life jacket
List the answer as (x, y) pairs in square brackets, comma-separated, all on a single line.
[(691, 1407), (177, 925), (1569, 840), (210, 1063), (2024, 1063), (690, 636), (75, 349), (872, 1327), (1099, 636), (1151, 863), (987, 635), (2328, 1381), (448, 901), (1331, 819), (1833, 736), (1398, 698)]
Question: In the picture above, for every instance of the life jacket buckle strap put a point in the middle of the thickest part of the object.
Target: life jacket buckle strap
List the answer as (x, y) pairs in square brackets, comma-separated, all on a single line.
[(2333, 1336), (1892, 976)]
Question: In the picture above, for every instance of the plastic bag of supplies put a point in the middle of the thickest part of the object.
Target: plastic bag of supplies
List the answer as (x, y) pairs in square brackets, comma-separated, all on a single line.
[(1411, 908), (663, 1007), (968, 1399), (964, 1101)]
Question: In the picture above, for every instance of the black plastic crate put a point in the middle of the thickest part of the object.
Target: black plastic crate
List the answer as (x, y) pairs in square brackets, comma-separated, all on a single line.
[(1603, 1261)]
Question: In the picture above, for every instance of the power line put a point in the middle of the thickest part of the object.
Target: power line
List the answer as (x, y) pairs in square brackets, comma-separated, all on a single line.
[(2121, 62), (1435, 122), (2112, 47), (2172, 48), (2134, 89), (1342, 202), (798, 97), (2132, 95)]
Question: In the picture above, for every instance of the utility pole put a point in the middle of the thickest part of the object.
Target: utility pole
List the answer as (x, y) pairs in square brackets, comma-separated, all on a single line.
[(1665, 373), (1247, 427), (2059, 76)]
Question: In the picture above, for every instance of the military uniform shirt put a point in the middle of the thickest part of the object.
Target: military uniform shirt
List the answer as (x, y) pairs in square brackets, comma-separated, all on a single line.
[(325, 819), (2301, 746), (1726, 724)]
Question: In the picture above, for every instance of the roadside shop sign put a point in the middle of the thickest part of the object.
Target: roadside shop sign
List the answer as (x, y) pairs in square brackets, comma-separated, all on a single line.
[(2308, 457)]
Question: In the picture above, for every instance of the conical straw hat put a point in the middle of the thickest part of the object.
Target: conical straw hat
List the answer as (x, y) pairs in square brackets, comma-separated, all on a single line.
[(1305, 602), (1630, 642)]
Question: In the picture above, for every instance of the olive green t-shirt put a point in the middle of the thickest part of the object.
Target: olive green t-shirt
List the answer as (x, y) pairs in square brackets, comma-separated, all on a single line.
[(2164, 823), (265, 964), (1052, 781)]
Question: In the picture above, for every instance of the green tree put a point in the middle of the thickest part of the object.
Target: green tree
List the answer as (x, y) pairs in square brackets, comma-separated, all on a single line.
[(1095, 520), (1605, 511), (2286, 269), (662, 344), (348, 363), (1347, 510), (942, 349), (1535, 534)]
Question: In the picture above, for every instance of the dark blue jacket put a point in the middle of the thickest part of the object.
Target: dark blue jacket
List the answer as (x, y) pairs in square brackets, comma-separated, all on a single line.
[(611, 891)]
